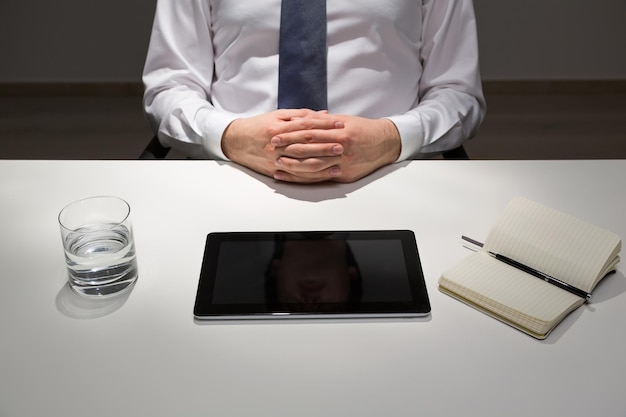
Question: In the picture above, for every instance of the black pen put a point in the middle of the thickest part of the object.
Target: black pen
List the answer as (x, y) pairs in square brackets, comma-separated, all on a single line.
[(550, 279), (543, 276)]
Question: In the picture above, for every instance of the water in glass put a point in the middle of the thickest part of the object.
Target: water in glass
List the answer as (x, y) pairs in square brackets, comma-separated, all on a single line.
[(100, 259)]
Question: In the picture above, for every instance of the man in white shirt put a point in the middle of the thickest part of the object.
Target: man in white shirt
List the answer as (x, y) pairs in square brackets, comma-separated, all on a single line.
[(403, 82)]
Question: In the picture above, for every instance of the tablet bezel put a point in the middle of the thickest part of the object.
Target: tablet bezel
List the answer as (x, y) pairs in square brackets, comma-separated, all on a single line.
[(205, 309)]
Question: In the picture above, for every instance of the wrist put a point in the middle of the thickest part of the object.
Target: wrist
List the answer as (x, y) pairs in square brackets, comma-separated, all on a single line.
[(392, 140), (228, 142)]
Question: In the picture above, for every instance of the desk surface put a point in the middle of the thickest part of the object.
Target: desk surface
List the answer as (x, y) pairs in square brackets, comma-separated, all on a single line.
[(144, 355)]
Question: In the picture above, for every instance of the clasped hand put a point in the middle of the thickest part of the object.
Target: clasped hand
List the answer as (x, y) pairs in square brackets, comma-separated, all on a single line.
[(304, 146)]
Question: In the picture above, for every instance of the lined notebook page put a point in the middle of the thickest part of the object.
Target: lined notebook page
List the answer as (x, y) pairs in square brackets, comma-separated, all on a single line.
[(555, 243), (508, 292)]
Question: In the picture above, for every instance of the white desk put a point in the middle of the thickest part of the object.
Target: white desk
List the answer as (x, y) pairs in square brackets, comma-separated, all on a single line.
[(147, 356)]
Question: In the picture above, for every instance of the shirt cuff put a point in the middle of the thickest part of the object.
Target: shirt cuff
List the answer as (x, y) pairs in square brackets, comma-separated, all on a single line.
[(411, 135), (212, 124)]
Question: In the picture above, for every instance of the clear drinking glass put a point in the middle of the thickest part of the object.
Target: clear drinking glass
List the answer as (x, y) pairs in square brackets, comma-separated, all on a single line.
[(99, 246)]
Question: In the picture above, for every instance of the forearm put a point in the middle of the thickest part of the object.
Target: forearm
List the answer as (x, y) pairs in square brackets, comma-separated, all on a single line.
[(451, 105), (443, 120), (178, 77), (187, 122)]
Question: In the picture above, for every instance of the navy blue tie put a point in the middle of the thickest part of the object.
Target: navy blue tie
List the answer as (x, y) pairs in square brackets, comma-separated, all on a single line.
[(302, 55)]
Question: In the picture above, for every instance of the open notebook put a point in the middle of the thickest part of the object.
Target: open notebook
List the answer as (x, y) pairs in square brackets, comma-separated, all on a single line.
[(557, 244)]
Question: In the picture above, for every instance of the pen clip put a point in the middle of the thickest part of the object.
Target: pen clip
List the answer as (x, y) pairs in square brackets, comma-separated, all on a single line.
[(475, 243)]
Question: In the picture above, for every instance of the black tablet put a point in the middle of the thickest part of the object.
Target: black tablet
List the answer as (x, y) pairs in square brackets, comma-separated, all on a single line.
[(335, 274)]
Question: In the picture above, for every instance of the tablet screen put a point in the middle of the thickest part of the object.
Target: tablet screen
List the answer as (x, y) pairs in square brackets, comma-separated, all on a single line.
[(311, 274)]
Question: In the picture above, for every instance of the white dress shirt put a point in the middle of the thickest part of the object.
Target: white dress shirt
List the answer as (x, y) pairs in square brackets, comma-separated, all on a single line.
[(414, 62)]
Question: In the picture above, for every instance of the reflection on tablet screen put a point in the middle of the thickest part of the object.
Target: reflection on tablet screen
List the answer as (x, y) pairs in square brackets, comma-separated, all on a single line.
[(308, 273)]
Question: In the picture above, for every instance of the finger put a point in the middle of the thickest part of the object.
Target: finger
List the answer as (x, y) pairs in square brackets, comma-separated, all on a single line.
[(318, 112), (290, 114), (310, 167), (308, 125), (303, 135), (308, 178), (310, 113), (311, 150)]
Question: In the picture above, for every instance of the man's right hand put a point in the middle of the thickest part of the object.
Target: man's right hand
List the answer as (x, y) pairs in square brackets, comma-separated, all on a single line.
[(247, 141)]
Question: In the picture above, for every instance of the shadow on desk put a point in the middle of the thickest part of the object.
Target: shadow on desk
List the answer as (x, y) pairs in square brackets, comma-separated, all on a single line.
[(321, 191), (74, 306), (609, 287)]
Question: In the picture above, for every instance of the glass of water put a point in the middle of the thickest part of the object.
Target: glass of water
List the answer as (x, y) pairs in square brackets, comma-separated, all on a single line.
[(99, 246)]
